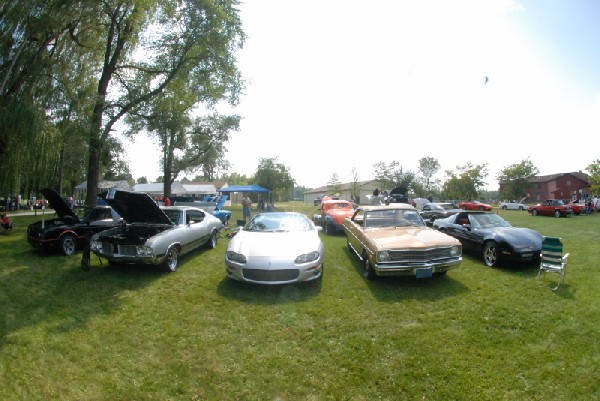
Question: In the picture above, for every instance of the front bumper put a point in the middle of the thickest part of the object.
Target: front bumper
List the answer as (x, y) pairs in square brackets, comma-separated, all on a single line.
[(416, 269), (267, 273)]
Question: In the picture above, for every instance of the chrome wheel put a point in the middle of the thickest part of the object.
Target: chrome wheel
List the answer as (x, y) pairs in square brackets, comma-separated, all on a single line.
[(490, 254), (68, 245), (171, 260)]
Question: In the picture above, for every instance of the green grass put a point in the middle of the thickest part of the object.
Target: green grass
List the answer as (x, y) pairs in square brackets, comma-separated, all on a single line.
[(137, 333)]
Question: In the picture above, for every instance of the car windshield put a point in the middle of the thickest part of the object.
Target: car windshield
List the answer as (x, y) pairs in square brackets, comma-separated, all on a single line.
[(392, 218), (279, 222), (448, 206), (488, 221), (173, 214), (436, 207), (341, 205)]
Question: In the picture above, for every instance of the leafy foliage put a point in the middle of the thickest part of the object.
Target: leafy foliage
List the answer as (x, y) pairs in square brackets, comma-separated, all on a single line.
[(515, 178), (275, 176), (465, 183)]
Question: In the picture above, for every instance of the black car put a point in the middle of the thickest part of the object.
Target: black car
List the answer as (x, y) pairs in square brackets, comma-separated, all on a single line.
[(67, 231), (433, 211), (489, 235)]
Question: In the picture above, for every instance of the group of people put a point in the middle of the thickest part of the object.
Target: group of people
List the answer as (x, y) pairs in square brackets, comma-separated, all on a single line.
[(247, 206)]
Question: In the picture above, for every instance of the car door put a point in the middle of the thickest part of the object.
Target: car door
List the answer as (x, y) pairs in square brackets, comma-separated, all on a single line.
[(196, 230)]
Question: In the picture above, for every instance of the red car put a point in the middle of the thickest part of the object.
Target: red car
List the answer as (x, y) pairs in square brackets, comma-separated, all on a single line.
[(475, 205), (551, 207), (577, 207)]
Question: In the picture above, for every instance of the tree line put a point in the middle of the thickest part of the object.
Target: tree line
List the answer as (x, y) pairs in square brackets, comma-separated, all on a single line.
[(71, 70)]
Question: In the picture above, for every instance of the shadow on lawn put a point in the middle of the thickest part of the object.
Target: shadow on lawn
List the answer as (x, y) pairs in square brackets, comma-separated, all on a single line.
[(50, 290), (268, 294), (396, 288)]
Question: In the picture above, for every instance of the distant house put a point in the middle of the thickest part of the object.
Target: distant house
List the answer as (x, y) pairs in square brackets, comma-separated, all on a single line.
[(558, 186), (364, 188)]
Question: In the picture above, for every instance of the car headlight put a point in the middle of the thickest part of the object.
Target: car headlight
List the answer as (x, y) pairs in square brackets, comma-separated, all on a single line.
[(236, 257), (383, 256), (307, 257), (456, 250), (144, 251)]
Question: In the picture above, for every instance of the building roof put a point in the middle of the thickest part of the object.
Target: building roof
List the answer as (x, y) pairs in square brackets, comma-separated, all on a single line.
[(344, 187), (546, 178), (159, 188), (105, 185)]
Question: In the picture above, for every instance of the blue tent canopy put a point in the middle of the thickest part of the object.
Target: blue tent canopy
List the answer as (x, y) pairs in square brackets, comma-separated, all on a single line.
[(244, 188)]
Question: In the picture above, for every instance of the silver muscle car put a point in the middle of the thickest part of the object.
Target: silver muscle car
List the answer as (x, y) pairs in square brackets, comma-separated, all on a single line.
[(393, 240), (152, 234)]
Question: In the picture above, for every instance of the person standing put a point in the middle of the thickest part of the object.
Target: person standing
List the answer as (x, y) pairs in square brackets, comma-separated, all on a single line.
[(261, 205), (246, 206)]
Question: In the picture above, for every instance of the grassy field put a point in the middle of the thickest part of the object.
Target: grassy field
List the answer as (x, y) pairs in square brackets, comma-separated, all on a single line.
[(137, 333)]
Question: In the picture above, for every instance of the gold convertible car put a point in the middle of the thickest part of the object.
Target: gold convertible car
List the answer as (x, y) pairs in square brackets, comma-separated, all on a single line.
[(393, 240)]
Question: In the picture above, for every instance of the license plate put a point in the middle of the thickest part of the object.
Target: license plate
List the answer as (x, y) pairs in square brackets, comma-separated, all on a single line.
[(425, 272)]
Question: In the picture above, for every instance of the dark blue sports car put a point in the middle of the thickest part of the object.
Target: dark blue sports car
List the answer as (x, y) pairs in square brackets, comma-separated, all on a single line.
[(491, 236)]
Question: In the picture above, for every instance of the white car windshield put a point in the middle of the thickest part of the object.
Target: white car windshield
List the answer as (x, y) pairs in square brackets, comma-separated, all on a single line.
[(279, 222)]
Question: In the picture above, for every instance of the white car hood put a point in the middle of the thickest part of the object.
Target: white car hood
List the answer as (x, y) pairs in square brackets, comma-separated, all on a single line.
[(274, 244)]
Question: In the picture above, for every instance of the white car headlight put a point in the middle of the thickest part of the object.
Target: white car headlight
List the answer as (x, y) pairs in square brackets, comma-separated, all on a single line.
[(455, 250), (383, 256), (307, 257), (236, 257), (144, 251)]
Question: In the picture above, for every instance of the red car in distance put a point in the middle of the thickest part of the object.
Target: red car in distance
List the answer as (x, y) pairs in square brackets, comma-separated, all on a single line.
[(475, 205)]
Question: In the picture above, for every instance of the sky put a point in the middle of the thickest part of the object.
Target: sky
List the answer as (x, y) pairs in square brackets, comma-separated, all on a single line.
[(336, 86)]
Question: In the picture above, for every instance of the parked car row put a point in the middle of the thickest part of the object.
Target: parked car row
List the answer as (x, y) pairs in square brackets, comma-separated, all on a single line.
[(285, 247)]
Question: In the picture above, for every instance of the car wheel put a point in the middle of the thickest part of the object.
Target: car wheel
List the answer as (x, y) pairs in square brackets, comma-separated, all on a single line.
[(68, 244), (504, 207), (212, 242), (520, 207), (348, 244), (171, 259), (329, 228), (557, 213), (368, 271), (481, 207), (464, 208), (490, 254), (534, 212)]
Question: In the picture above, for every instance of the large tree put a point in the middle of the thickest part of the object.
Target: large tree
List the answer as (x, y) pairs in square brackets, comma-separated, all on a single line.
[(428, 167), (275, 176), (147, 44), (466, 182), (515, 179), (391, 175)]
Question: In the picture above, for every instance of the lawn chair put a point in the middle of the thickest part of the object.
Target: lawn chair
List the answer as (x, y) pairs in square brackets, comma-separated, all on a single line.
[(552, 259)]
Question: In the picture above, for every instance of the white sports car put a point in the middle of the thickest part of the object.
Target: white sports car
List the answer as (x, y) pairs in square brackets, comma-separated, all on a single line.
[(152, 234), (276, 248)]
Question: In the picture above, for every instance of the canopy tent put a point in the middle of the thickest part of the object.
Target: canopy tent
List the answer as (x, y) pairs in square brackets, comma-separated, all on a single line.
[(244, 188)]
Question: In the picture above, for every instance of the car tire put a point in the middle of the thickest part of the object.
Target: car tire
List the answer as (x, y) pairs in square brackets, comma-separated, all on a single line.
[(481, 207), (520, 207), (557, 213), (68, 244), (212, 241), (534, 212), (329, 228), (171, 261), (368, 271), (490, 254), (504, 207), (348, 245)]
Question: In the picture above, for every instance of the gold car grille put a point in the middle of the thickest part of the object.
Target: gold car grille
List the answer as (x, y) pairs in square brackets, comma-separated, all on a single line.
[(420, 255)]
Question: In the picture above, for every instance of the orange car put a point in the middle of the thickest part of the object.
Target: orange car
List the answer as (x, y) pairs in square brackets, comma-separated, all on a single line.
[(333, 213)]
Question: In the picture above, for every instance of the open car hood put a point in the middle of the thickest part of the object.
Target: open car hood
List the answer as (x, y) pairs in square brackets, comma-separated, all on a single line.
[(58, 204), (136, 207)]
